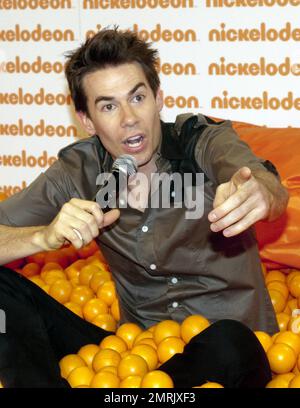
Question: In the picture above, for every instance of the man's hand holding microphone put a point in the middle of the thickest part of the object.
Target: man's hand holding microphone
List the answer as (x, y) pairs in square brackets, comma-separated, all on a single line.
[(80, 221)]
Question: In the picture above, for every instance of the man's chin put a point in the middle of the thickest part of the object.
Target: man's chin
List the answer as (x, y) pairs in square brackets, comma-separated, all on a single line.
[(142, 162)]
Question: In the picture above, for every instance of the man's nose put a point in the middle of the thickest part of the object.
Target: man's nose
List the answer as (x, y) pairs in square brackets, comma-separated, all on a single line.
[(128, 116)]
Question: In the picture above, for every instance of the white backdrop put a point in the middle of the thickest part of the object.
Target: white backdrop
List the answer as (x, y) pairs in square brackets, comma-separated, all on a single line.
[(233, 59)]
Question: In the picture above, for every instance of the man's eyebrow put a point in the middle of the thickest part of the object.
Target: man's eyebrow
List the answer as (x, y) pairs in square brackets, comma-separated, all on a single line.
[(111, 98)]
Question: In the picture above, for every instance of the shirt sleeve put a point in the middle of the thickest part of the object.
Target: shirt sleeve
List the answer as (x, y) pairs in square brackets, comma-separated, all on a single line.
[(220, 153), (39, 203)]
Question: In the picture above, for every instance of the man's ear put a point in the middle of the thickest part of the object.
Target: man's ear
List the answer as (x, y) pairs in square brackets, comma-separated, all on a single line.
[(86, 122), (159, 99)]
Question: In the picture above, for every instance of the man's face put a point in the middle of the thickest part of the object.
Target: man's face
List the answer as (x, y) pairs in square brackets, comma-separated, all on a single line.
[(123, 111)]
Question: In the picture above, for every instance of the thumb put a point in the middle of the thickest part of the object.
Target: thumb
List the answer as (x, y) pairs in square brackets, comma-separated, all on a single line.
[(241, 176), (110, 217)]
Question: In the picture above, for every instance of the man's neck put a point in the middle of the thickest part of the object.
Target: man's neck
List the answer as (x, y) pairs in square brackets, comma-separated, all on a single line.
[(138, 197)]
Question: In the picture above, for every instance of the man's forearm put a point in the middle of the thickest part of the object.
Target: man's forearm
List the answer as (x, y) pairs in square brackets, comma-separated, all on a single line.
[(16, 243), (278, 194)]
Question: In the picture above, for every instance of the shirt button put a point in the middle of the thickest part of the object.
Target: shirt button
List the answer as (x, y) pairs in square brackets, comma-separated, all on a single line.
[(174, 280), (153, 267), (175, 304), (145, 228)]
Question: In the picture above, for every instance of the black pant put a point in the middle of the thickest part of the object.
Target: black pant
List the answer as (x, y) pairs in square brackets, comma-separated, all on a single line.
[(40, 331)]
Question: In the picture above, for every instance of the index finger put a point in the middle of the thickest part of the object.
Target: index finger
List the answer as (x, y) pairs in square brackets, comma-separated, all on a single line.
[(231, 203), (91, 207)]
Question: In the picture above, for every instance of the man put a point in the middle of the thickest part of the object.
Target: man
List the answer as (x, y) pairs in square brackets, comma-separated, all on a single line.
[(165, 266)]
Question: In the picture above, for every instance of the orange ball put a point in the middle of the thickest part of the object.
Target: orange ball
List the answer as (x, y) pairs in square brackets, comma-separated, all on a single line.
[(275, 276), (50, 266), (86, 273), (278, 300), (164, 329), (148, 353), (107, 292), (283, 321), (280, 286), (282, 358), (211, 385), (291, 339), (114, 342), (88, 352), (104, 358), (75, 308), (98, 279), (81, 294), (105, 380), (93, 308), (157, 379), (50, 277), (132, 365), (294, 286), (69, 362), (31, 269), (281, 381), (193, 325), (106, 322), (133, 381), (169, 347), (80, 376), (61, 290), (72, 271), (115, 309), (128, 332)]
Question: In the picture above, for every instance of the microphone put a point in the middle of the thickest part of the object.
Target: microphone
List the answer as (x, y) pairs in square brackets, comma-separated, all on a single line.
[(113, 184)]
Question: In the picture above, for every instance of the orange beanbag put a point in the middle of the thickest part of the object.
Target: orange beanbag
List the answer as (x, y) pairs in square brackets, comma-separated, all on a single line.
[(279, 241)]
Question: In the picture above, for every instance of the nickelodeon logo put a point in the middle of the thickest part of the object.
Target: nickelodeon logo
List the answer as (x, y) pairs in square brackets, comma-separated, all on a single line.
[(24, 160), (35, 4), (41, 129), (157, 34), (37, 34), (255, 34), (136, 4), (37, 66), (39, 98), (254, 69), (264, 102), (251, 3)]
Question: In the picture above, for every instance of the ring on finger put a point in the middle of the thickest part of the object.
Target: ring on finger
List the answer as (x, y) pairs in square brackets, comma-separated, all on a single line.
[(78, 234)]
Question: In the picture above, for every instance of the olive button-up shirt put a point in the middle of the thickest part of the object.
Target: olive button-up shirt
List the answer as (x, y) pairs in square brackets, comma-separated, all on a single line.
[(165, 266)]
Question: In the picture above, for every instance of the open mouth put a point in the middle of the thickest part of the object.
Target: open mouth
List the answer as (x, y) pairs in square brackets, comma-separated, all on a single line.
[(134, 141)]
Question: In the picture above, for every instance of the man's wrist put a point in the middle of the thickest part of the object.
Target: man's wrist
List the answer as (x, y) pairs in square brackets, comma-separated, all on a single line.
[(38, 240), (277, 193)]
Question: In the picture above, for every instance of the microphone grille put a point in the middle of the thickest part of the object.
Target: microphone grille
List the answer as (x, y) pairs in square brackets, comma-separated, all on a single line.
[(125, 163)]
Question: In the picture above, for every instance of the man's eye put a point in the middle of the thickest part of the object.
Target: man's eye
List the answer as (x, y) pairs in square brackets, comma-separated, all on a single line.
[(108, 107), (138, 98)]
